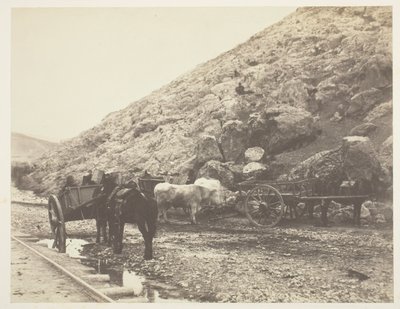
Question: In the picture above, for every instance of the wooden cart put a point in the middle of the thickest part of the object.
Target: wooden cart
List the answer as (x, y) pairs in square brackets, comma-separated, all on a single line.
[(266, 203), (74, 203)]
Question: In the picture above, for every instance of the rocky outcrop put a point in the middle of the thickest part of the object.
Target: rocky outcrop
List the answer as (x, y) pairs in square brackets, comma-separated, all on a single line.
[(364, 101), (379, 111), (144, 127), (363, 129), (218, 170), (282, 128), (254, 170), (386, 153), (207, 149), (234, 140), (360, 159)]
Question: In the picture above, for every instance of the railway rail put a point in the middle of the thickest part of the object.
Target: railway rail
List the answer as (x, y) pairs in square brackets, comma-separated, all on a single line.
[(94, 293), (96, 286)]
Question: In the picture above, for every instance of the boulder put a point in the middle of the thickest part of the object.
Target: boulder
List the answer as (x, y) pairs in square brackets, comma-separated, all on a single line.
[(380, 219), (387, 213), (341, 215), (231, 108), (281, 128), (213, 127), (363, 129), (254, 170), (386, 153), (365, 213), (294, 92), (254, 154), (364, 101), (376, 72), (144, 127), (379, 111), (188, 169), (217, 170), (236, 169), (360, 159), (234, 140), (207, 149)]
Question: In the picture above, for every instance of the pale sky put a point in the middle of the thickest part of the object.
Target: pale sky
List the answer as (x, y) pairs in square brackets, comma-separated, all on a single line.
[(70, 67)]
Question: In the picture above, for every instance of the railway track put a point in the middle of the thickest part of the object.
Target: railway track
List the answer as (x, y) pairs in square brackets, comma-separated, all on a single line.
[(85, 279), (30, 203)]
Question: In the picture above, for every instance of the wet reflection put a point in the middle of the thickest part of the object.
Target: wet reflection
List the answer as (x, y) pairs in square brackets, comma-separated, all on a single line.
[(73, 246), (119, 276)]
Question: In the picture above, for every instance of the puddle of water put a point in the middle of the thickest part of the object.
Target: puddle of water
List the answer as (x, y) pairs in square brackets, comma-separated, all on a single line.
[(129, 279), (118, 275), (73, 246)]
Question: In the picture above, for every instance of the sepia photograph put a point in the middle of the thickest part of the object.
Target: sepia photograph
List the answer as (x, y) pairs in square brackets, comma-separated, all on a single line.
[(221, 153)]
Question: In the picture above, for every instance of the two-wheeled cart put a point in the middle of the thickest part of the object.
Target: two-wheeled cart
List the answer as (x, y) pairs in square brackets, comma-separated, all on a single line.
[(266, 203), (74, 203)]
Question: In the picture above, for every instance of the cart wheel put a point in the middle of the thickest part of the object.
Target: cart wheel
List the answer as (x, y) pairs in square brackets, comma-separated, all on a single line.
[(264, 206), (57, 223)]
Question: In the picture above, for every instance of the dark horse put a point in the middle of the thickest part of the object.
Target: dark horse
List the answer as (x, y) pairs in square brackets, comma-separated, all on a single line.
[(101, 210), (131, 206)]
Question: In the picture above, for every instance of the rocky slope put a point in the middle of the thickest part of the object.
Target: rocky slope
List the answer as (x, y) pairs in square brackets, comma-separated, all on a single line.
[(293, 89)]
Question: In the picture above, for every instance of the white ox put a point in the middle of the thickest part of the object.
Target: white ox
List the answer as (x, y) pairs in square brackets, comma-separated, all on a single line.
[(205, 191)]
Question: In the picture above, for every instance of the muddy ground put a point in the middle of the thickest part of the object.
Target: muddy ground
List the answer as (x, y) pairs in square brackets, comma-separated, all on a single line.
[(226, 260)]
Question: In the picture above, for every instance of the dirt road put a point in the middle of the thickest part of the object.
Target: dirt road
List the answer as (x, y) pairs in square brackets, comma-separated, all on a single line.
[(229, 261)]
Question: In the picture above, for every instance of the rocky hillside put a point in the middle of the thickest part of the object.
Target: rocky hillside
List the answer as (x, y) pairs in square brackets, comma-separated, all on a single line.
[(26, 148), (294, 89)]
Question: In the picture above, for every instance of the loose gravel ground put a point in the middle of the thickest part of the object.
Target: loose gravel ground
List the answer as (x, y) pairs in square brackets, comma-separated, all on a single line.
[(226, 260)]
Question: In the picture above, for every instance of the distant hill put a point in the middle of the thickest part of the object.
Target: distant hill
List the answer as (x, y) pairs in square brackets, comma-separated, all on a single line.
[(26, 148)]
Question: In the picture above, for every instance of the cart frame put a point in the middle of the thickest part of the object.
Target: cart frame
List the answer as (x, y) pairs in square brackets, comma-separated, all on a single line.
[(267, 203)]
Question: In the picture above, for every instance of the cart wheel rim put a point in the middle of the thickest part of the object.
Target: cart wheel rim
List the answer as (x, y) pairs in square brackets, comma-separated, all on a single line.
[(264, 206), (57, 224)]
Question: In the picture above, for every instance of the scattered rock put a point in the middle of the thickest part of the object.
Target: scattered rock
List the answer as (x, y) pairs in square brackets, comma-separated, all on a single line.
[(379, 111), (379, 218), (387, 213), (217, 170), (386, 153), (365, 213), (364, 101), (363, 129), (254, 154), (207, 150), (234, 140), (144, 127), (361, 160), (376, 72), (281, 128), (356, 274), (254, 170)]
